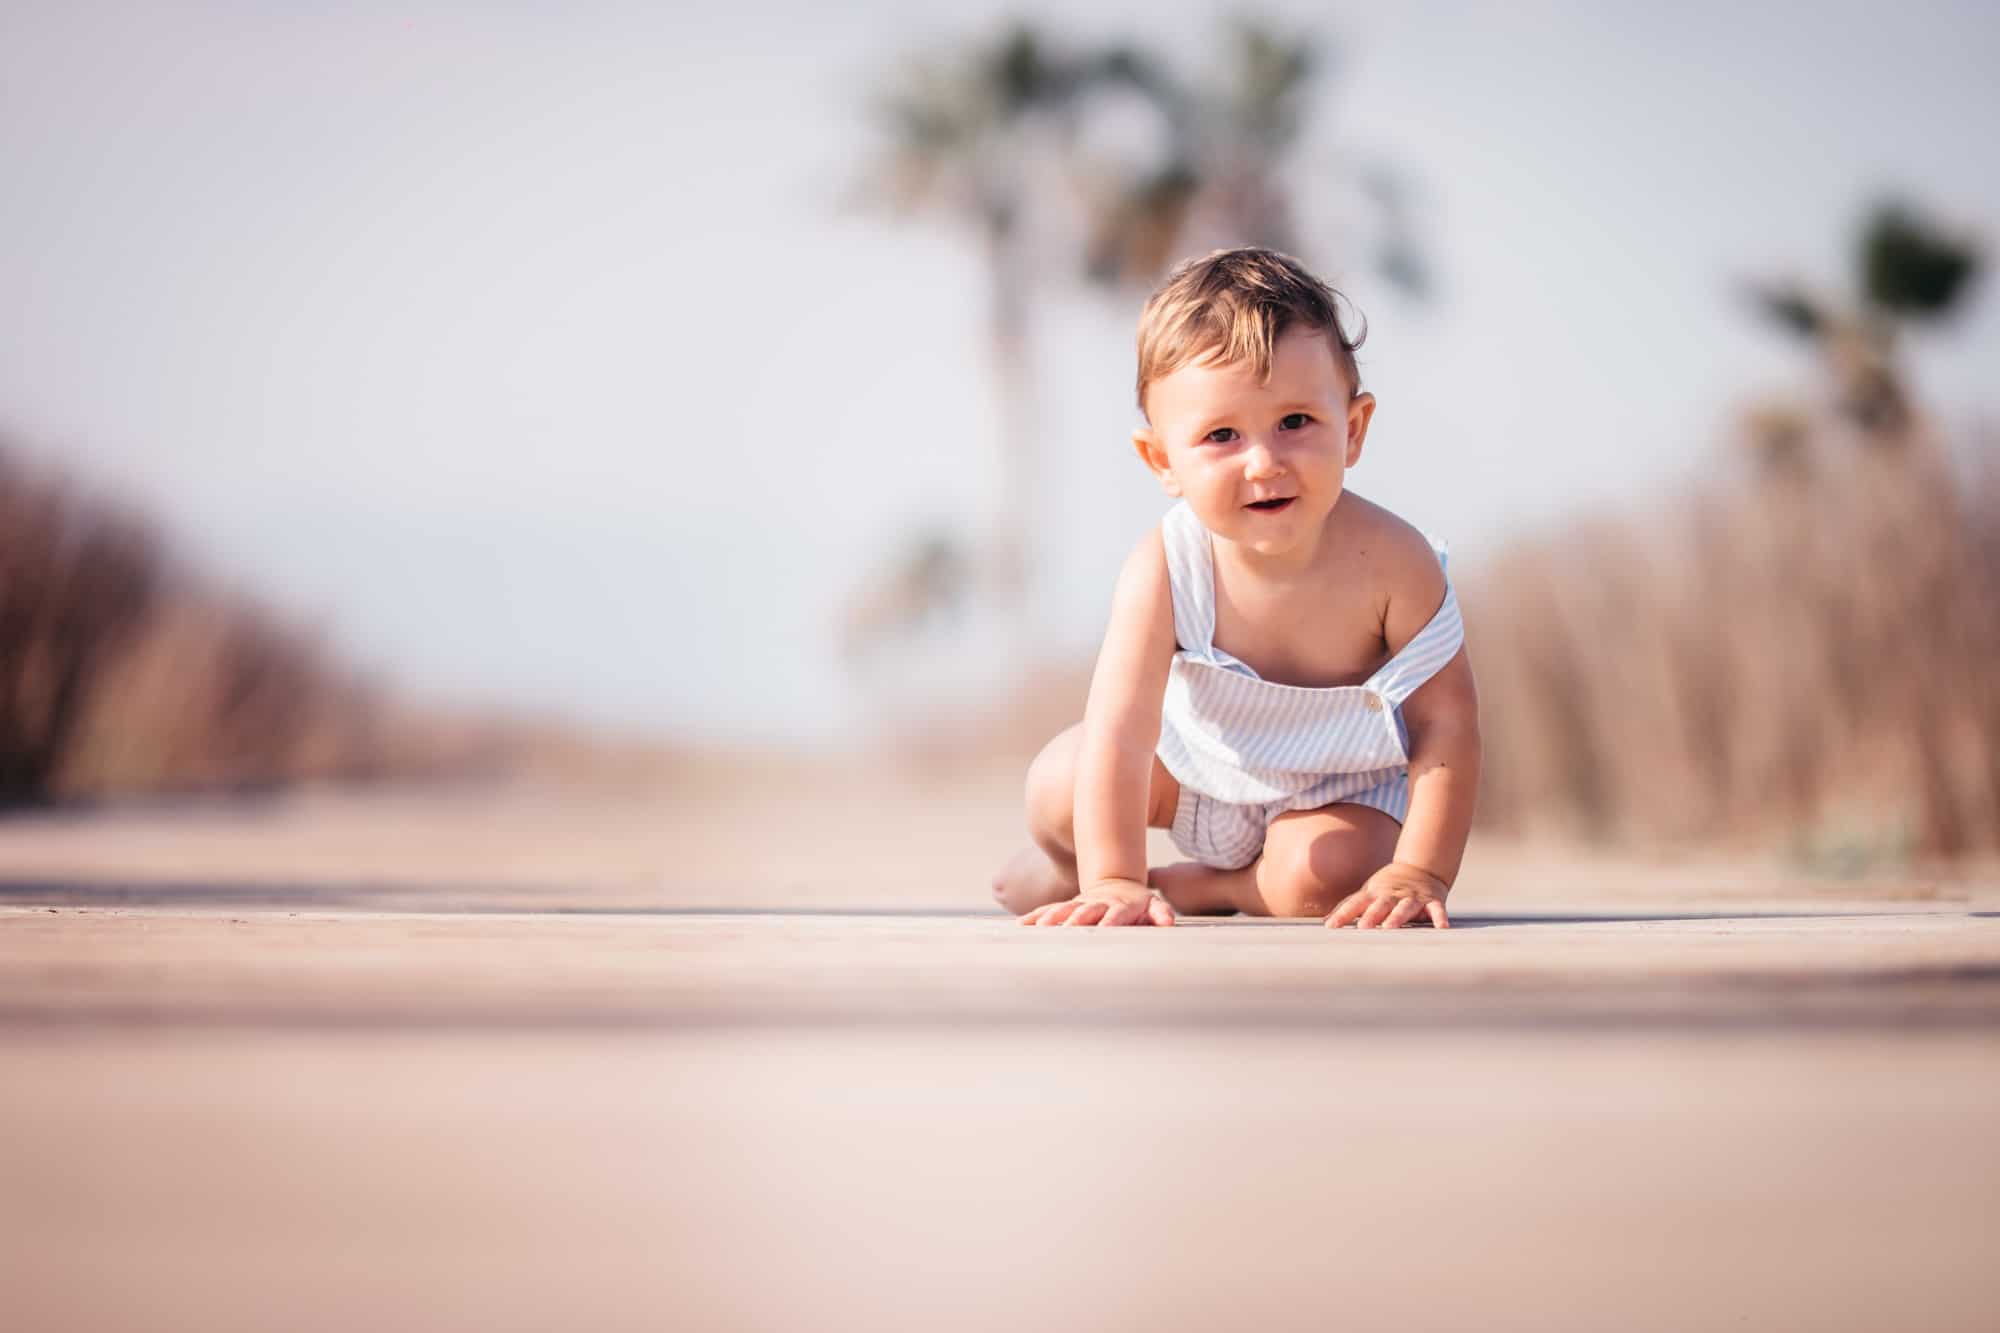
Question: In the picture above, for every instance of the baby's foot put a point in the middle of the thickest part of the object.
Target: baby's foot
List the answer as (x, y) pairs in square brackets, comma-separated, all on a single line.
[(1031, 880), (1193, 889)]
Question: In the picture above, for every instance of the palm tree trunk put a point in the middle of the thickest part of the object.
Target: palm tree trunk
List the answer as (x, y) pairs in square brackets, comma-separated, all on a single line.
[(1007, 565)]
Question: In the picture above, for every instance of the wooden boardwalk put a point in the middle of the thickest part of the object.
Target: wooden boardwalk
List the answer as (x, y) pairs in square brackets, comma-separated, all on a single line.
[(341, 1099)]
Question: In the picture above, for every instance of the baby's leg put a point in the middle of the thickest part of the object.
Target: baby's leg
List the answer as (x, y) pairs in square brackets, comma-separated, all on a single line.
[(1046, 872), (1311, 860)]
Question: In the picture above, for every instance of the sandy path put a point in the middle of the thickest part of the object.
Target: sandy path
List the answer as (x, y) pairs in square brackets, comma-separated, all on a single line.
[(1789, 969), (852, 837), (481, 1062), (887, 1179)]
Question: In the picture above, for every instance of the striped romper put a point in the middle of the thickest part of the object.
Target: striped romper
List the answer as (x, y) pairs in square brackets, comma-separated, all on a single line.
[(1246, 749)]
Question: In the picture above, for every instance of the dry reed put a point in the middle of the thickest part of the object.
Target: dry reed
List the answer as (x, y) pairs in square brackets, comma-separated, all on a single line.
[(122, 673), (1803, 660)]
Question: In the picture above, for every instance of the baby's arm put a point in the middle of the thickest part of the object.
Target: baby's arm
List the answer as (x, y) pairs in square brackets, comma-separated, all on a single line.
[(1121, 728), (1442, 716)]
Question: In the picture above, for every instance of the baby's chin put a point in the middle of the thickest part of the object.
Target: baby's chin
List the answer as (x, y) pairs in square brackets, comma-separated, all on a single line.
[(1271, 543)]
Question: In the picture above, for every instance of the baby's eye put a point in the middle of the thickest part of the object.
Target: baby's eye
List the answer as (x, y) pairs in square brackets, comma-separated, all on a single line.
[(1219, 431), (1299, 417)]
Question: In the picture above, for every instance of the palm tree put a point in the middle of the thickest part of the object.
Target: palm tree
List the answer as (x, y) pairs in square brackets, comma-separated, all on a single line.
[(966, 136), (981, 136), (1910, 269), (1230, 174)]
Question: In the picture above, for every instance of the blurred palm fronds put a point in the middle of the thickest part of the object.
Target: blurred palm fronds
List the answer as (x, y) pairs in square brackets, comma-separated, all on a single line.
[(1095, 165), (1909, 269)]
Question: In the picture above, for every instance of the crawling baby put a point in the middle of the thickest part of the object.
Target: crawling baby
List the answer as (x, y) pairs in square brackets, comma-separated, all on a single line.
[(1283, 684)]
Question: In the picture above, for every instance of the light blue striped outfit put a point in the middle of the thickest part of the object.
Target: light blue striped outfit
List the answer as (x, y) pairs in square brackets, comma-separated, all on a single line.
[(1246, 749)]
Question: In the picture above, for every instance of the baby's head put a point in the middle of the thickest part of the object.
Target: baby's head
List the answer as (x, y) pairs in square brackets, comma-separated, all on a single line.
[(1251, 395), (1234, 305)]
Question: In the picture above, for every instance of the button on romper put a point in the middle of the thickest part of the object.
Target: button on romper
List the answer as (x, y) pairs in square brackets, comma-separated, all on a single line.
[(1246, 749)]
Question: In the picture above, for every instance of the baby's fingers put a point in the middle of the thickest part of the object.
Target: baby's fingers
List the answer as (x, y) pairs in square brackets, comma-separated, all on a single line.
[(1438, 918), (1403, 913), (1159, 911), (1378, 911), (1088, 914), (1085, 911), (1051, 914), (1348, 910), (1119, 914)]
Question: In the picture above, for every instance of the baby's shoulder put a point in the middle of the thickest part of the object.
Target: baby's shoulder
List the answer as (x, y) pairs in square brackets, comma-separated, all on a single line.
[(1144, 577), (1402, 571), (1395, 552)]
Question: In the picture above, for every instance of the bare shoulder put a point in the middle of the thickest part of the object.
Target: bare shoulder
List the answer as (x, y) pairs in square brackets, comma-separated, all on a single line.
[(1138, 647), (1143, 582), (1402, 567), (1143, 600), (1147, 564), (1396, 555)]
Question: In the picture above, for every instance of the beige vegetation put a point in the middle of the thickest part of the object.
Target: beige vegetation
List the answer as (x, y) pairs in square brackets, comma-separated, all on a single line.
[(1799, 650), (1803, 662), (125, 672)]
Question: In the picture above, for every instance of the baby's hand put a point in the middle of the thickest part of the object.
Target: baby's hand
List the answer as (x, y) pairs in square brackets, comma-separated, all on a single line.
[(1395, 895), (1111, 902)]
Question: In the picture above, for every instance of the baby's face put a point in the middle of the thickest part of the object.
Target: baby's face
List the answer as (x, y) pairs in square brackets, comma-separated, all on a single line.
[(1261, 465)]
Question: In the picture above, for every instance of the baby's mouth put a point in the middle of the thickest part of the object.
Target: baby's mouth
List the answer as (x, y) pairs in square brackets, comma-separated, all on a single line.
[(1271, 506)]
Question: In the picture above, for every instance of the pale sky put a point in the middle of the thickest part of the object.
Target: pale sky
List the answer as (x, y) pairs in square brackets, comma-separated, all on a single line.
[(524, 354)]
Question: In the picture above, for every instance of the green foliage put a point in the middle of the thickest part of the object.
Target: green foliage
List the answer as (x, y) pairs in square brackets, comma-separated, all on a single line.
[(954, 125), (1909, 268), (1791, 308), (1270, 72), (970, 133), (959, 126), (1913, 267)]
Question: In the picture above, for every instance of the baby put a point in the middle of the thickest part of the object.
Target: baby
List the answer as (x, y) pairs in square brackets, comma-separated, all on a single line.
[(1283, 683)]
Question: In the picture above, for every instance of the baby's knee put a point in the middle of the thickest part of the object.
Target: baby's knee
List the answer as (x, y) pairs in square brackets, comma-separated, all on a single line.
[(1051, 791), (1293, 882)]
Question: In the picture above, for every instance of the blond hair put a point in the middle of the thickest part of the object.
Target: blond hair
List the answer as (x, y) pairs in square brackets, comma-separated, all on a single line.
[(1233, 305)]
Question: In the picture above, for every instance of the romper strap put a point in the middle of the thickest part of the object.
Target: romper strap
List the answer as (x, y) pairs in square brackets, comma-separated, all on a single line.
[(1423, 656), (1191, 575)]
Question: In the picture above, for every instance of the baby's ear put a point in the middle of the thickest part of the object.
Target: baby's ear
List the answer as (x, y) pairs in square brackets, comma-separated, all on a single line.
[(1154, 455), (1360, 411)]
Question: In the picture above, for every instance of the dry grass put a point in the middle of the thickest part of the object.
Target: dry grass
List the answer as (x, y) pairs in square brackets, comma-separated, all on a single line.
[(1806, 658), (121, 672)]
